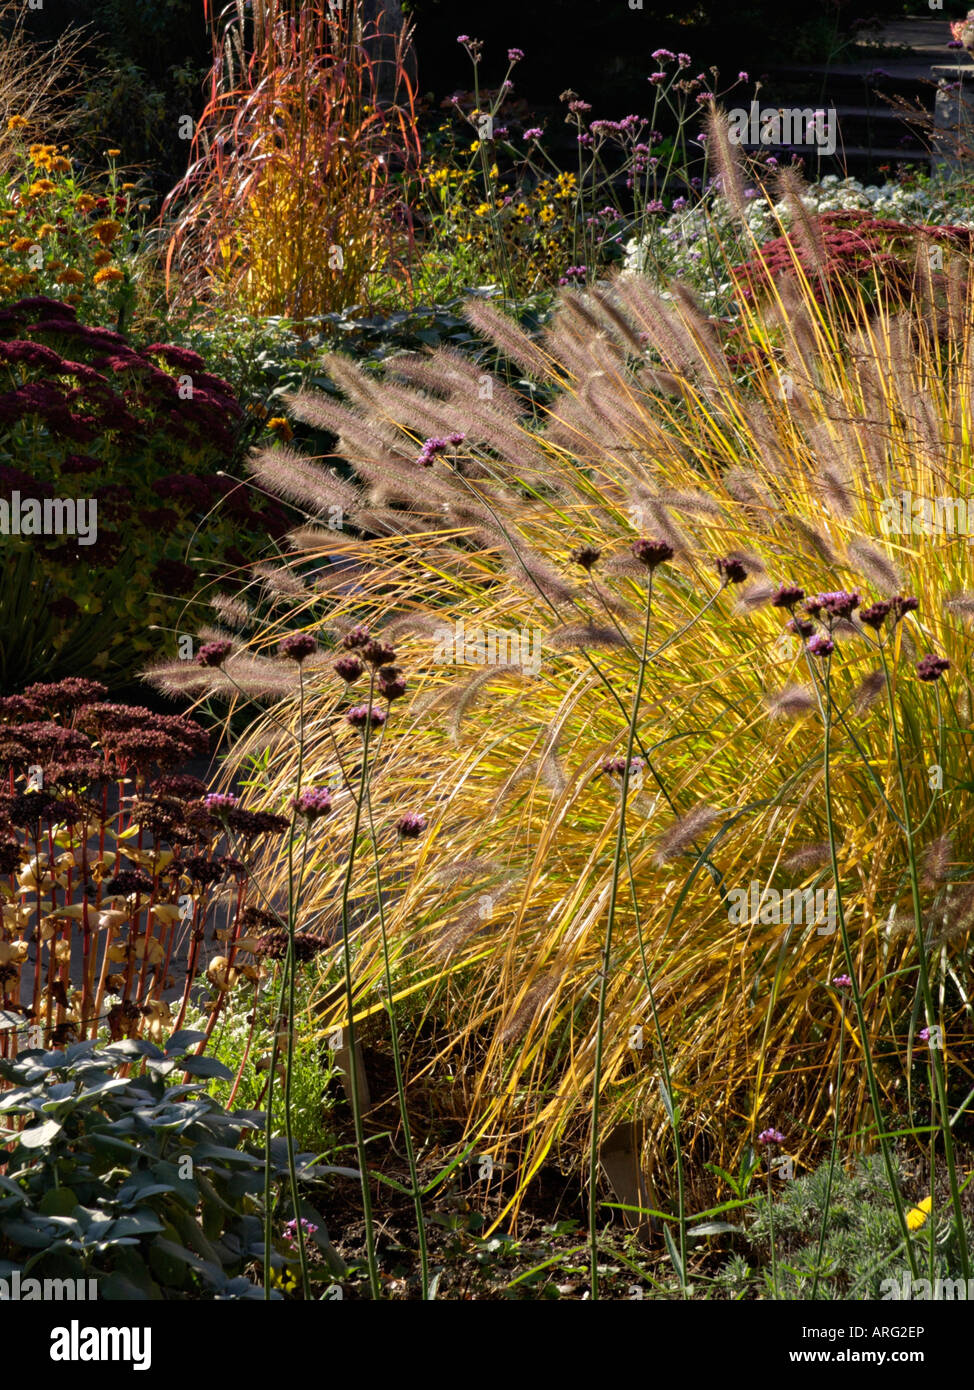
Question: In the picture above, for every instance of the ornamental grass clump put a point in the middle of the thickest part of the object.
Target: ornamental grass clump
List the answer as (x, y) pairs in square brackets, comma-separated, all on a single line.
[(290, 205), (653, 533)]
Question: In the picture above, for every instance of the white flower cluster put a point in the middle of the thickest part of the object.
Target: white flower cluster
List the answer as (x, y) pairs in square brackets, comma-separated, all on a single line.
[(698, 243)]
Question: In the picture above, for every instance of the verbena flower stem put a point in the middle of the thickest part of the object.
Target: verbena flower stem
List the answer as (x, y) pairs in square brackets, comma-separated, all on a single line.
[(353, 1077), (926, 992), (833, 1155), (293, 897), (674, 1115), (397, 1068), (593, 1173), (825, 708)]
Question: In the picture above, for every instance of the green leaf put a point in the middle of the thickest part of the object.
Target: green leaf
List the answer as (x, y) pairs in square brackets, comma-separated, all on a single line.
[(674, 1254), (208, 1067), (36, 1136), (57, 1201), (713, 1228), (142, 1222)]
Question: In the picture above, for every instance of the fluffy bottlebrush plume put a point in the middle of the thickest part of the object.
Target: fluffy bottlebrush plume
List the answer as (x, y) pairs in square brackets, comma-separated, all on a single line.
[(290, 475), (755, 596), (681, 835), (693, 503), (465, 697), (476, 917), (389, 521), (455, 377), (531, 571), (748, 487), (233, 611), (664, 335), (606, 302), (869, 691), (361, 441), (340, 579), (516, 1024), (836, 490), (572, 349), (727, 162), (957, 291), (512, 340), (955, 917), (811, 856), (280, 582), (582, 636), (699, 339), (792, 702), (805, 229), (877, 567), (180, 678), (937, 858), (465, 870), (799, 343), (962, 603), (654, 517), (356, 385), (926, 431), (814, 541), (611, 603)]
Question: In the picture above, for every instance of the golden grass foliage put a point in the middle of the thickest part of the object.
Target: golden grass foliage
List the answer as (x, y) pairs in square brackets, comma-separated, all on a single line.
[(496, 918)]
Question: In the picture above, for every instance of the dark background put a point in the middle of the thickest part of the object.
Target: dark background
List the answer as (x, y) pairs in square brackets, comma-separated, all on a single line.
[(147, 59)]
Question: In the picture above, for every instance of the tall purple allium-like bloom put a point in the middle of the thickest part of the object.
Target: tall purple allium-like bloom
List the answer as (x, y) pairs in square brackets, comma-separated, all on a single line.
[(841, 603), (820, 645), (298, 647), (410, 826), (771, 1136), (314, 802), (359, 716), (787, 596), (931, 668), (875, 614), (651, 553), (214, 653), (349, 668), (732, 569)]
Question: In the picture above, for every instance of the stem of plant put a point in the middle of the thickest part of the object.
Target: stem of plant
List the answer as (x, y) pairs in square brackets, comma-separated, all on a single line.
[(593, 1172)]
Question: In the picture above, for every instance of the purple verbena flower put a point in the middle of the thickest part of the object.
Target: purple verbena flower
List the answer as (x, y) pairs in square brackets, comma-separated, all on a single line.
[(410, 826)]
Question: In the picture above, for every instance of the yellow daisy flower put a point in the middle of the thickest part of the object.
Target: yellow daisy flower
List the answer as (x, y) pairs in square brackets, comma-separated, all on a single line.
[(108, 275), (71, 277), (17, 123), (917, 1216)]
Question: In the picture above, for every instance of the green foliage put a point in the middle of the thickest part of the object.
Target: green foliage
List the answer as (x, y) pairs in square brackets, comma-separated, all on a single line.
[(149, 1187), (239, 1045), (863, 1243)]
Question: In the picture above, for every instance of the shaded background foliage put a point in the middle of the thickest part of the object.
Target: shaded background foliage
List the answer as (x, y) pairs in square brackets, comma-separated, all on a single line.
[(148, 58)]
